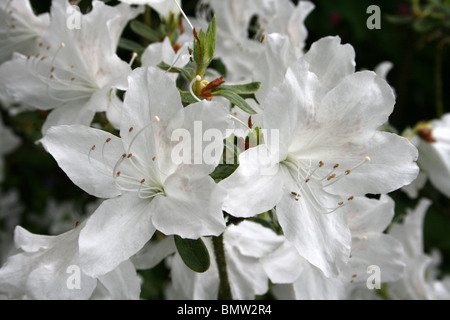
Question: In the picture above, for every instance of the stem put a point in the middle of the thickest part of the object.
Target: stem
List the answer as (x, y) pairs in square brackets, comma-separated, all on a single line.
[(224, 286)]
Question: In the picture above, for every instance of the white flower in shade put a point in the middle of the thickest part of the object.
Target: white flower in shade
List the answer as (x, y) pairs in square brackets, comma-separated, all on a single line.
[(149, 187), (75, 68), (8, 142), (433, 143), (421, 279), (367, 220), (321, 149), (20, 28), (244, 245), (164, 7), (48, 268), (234, 20)]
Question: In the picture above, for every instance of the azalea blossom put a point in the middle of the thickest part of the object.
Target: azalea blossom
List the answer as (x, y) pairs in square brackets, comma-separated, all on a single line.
[(20, 28), (235, 18), (45, 264), (322, 149), (421, 278), (433, 142), (244, 244), (75, 68), (299, 279), (148, 190)]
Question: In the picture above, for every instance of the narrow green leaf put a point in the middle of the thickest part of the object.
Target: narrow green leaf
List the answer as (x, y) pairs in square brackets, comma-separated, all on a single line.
[(247, 88), (130, 45), (210, 45), (193, 253), (144, 31), (236, 100), (187, 71)]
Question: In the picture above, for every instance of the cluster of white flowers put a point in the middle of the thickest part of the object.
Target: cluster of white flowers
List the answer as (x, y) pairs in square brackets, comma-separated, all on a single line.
[(244, 184)]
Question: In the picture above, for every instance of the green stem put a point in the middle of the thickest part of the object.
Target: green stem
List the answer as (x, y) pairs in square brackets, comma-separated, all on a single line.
[(224, 286)]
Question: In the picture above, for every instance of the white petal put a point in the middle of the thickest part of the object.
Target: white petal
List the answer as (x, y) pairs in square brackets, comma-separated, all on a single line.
[(284, 265), (252, 239), (370, 215), (391, 166), (191, 206), (379, 250), (290, 108), (331, 61), (153, 253), (122, 283), (321, 238), (256, 185), (117, 230), (70, 146)]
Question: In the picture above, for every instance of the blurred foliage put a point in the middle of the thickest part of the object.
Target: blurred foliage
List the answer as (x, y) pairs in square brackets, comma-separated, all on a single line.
[(412, 37)]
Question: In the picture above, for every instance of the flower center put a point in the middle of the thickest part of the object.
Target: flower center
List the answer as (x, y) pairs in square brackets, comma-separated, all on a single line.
[(131, 173), (310, 180)]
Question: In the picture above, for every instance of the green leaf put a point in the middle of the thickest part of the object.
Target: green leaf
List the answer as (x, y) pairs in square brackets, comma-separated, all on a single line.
[(223, 171), (187, 71), (130, 45), (242, 89), (236, 99), (210, 44), (193, 253), (144, 31)]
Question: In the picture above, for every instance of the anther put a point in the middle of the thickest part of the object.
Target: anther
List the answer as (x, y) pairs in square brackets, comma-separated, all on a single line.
[(331, 177), (124, 155), (321, 164), (340, 203), (347, 172), (307, 180), (351, 198), (118, 173), (108, 140), (336, 166), (129, 155), (93, 147), (154, 158), (131, 129), (143, 180)]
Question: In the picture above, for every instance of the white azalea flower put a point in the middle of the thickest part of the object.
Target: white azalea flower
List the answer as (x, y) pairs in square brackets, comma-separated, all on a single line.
[(75, 68), (420, 279), (164, 7), (46, 268), (148, 189), (433, 143), (321, 149), (244, 245), (20, 28), (8, 142), (370, 247), (234, 18)]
